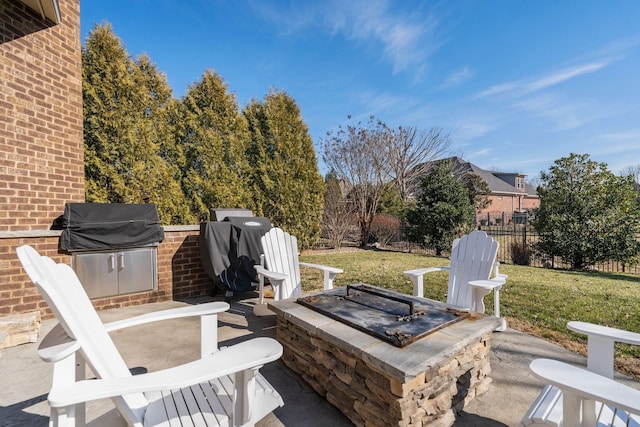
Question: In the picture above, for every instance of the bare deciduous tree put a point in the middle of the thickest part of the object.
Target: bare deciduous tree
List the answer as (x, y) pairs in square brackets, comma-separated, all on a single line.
[(634, 172), (338, 218), (357, 154), (409, 151)]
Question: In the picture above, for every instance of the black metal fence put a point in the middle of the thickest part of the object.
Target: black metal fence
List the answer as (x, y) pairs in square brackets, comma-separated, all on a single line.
[(516, 237), (515, 248), (516, 241)]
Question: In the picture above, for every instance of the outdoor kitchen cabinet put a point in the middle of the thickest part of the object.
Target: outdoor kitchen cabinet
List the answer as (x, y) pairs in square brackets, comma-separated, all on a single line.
[(117, 272), (113, 246)]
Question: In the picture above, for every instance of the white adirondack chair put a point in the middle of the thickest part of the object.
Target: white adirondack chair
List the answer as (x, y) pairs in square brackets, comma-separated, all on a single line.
[(473, 257), (578, 397), (223, 387), (280, 264)]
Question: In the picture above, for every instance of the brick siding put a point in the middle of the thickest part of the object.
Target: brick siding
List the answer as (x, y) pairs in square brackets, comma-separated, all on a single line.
[(508, 204), (42, 160), (41, 146), (180, 273)]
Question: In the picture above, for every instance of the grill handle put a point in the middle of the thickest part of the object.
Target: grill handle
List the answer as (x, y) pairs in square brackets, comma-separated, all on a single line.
[(380, 294)]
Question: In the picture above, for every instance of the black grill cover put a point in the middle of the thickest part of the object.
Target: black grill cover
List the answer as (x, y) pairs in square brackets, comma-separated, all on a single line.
[(229, 249), (89, 226)]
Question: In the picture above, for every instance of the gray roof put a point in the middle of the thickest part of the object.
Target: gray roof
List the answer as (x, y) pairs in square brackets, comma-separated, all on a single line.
[(496, 185)]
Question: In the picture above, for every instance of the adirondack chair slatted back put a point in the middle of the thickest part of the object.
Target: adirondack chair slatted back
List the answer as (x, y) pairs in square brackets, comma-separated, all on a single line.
[(281, 255), (472, 258), (67, 299)]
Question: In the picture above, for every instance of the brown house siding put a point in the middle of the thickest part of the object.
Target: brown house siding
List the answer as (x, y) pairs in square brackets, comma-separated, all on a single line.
[(505, 203), (505, 206)]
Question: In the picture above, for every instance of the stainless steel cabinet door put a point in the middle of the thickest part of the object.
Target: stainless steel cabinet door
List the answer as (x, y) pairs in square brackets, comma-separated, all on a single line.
[(136, 270), (97, 272)]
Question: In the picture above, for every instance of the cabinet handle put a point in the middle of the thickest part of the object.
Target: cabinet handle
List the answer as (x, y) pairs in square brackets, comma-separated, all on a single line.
[(112, 262), (121, 260)]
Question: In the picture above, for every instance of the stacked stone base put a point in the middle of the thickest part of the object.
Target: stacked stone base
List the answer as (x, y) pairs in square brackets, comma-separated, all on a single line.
[(371, 398)]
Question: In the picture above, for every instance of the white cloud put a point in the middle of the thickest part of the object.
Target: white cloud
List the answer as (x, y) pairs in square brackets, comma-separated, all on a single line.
[(497, 89), (631, 135), (565, 116), (527, 86), (458, 77), (617, 147), (564, 75), (480, 153), (407, 38), (384, 105), (472, 129)]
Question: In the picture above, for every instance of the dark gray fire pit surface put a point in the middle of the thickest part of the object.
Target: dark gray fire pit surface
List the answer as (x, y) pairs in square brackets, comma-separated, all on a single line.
[(395, 318)]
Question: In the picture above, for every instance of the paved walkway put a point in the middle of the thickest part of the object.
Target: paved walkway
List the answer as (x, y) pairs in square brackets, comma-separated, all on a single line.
[(25, 380)]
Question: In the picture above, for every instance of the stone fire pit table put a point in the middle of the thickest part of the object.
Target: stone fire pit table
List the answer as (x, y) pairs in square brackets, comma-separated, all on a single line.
[(375, 383)]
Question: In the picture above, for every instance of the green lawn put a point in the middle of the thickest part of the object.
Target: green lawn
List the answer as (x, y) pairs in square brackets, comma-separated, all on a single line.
[(535, 300)]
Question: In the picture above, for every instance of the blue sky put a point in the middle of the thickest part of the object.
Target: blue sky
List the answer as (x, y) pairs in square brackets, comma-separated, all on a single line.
[(518, 84)]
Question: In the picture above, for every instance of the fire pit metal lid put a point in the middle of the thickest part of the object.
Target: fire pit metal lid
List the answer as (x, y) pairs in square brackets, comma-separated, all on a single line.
[(392, 317)]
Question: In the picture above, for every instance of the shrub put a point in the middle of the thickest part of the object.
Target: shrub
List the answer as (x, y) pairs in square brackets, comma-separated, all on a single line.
[(384, 228), (520, 253)]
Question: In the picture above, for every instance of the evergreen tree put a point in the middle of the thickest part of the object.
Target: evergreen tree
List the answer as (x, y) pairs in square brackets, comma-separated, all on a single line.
[(391, 202), (288, 187), (443, 210), (478, 190), (214, 137), (586, 214), (125, 128)]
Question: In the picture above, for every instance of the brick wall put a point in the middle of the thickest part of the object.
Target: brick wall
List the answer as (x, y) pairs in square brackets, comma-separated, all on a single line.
[(505, 203), (179, 265), (42, 160), (180, 273), (41, 146), (17, 294)]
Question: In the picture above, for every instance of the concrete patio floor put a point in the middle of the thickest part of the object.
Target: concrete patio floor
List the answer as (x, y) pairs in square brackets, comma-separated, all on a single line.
[(25, 379)]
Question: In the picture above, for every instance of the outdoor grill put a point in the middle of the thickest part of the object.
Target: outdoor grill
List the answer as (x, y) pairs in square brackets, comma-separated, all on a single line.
[(391, 317), (113, 246), (230, 247)]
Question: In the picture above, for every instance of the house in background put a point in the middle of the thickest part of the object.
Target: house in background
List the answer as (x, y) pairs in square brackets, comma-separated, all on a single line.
[(510, 197)]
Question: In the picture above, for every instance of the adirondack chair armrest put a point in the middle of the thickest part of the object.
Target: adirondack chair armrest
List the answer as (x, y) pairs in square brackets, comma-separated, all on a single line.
[(208, 322), (490, 284), (322, 267), (600, 342), (57, 345), (422, 271), (416, 277), (174, 313), (501, 277), (581, 384), (481, 288), (605, 332), (244, 356), (329, 273), (271, 275)]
